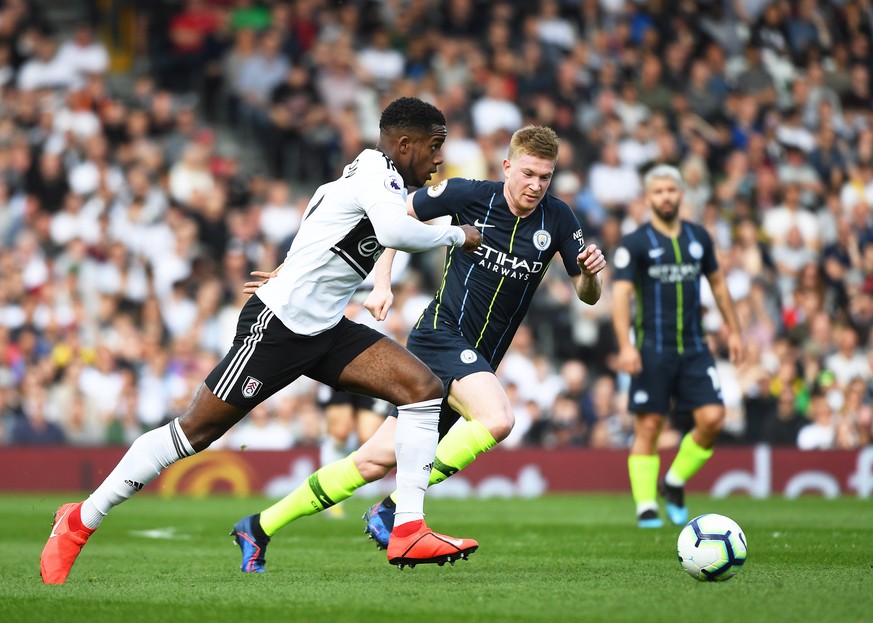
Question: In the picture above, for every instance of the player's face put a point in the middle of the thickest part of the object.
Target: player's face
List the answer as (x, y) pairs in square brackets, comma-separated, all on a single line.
[(527, 180), (424, 156), (664, 196)]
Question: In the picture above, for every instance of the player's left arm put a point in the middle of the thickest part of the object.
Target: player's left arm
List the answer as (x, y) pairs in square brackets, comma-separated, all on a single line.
[(588, 258), (726, 306), (381, 298), (587, 283), (250, 287)]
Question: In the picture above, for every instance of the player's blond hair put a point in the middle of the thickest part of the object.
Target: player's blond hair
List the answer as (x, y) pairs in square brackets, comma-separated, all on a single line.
[(534, 140)]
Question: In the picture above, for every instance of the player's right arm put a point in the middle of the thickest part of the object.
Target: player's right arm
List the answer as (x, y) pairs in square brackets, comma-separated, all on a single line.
[(380, 298), (629, 359)]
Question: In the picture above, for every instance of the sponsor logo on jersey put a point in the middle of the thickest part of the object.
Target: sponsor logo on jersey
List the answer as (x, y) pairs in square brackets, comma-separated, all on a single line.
[(641, 397), (507, 265), (656, 253), (477, 223), (370, 246), (251, 387), (394, 184), (695, 250), (437, 189), (674, 273), (622, 258), (469, 356), (542, 239)]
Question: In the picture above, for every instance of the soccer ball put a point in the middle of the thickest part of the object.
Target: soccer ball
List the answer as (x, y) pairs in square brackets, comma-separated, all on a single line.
[(712, 548)]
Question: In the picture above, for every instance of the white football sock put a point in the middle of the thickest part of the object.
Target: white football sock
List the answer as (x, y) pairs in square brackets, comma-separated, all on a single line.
[(149, 455), (415, 445)]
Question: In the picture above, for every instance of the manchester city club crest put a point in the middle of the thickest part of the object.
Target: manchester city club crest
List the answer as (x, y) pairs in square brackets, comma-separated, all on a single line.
[(695, 250), (251, 387), (542, 239), (469, 356)]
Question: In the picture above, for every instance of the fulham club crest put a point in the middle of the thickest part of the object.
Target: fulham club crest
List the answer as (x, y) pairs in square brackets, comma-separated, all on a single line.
[(251, 387)]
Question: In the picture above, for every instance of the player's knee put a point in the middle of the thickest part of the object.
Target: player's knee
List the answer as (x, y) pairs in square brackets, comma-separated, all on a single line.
[(424, 388), (649, 427), (499, 424), (711, 423)]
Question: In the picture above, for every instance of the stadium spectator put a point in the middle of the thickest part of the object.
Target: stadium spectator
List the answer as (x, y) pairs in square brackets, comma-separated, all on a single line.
[(792, 106)]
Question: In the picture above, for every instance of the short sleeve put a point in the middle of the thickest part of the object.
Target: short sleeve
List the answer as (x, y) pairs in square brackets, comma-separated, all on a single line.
[(572, 241), (624, 263)]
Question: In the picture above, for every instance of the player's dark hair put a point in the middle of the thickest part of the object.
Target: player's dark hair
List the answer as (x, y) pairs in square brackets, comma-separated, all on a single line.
[(411, 114)]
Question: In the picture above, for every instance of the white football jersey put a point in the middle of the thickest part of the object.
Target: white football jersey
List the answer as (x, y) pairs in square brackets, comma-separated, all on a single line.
[(339, 242)]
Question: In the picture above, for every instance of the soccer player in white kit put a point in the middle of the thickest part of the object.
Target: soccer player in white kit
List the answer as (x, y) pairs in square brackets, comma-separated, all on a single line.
[(295, 326)]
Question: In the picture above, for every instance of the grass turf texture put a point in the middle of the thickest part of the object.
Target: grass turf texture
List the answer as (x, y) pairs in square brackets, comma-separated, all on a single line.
[(559, 558)]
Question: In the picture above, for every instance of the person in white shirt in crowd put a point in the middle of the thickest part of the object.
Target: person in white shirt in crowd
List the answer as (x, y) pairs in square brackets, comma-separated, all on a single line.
[(84, 53), (820, 433), (613, 183), (848, 362)]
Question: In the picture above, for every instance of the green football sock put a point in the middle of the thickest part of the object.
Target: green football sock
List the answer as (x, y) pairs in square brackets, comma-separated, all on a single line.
[(328, 486), (688, 462), (460, 447), (643, 472)]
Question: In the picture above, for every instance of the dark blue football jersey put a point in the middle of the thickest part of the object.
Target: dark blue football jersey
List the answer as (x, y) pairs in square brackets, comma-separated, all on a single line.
[(666, 274), (486, 294)]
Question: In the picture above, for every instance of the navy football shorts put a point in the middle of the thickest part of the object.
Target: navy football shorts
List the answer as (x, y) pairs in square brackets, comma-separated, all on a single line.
[(450, 356), (670, 382)]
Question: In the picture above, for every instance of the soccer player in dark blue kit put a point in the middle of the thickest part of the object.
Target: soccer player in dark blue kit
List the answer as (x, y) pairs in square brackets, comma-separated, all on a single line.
[(660, 264), (464, 332)]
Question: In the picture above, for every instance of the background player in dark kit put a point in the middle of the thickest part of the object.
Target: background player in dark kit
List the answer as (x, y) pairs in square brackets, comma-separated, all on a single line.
[(660, 264)]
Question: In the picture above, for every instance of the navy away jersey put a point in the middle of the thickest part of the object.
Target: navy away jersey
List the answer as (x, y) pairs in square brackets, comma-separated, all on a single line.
[(486, 294), (666, 274)]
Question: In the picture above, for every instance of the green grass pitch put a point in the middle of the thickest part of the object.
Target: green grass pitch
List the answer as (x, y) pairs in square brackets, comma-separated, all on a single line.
[(558, 558)]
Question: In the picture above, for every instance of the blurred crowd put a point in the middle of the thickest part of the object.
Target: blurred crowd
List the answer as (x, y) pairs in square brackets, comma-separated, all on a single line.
[(129, 220)]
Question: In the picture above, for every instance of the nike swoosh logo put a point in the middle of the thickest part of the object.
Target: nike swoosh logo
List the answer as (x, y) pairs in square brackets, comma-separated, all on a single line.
[(457, 542), (655, 253), (478, 224), (57, 523)]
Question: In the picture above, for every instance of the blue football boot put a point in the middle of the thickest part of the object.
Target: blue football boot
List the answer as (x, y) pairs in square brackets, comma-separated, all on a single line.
[(252, 542), (649, 519), (380, 523), (674, 498)]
